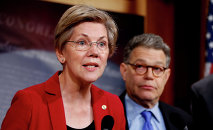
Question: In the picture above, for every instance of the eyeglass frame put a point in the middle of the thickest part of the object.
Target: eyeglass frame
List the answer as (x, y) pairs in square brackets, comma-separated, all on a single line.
[(135, 68), (90, 44)]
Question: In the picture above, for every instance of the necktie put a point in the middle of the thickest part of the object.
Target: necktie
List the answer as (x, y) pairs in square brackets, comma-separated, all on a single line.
[(147, 124)]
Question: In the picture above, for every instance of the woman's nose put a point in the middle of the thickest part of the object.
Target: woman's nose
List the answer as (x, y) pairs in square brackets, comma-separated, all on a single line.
[(93, 50)]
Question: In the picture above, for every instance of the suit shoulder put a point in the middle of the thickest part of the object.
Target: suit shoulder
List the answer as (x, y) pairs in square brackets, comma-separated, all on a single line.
[(202, 83), (172, 110), (38, 88)]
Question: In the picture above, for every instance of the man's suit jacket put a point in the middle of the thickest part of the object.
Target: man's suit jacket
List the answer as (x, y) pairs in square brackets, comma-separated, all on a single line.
[(174, 118), (202, 103), (40, 107)]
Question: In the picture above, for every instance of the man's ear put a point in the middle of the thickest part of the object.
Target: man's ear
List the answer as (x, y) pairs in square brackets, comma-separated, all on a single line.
[(60, 56), (168, 72), (123, 70)]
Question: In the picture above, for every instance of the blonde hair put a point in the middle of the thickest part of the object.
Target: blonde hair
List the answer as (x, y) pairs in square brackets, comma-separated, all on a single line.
[(83, 13)]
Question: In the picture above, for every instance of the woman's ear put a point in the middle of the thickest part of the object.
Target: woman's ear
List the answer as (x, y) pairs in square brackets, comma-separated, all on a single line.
[(123, 70), (60, 56)]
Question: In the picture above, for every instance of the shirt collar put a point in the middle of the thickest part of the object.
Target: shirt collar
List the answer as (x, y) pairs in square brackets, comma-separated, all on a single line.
[(133, 109), (156, 112)]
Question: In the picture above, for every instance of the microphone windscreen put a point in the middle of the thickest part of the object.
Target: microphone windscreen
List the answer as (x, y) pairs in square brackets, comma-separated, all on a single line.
[(107, 123)]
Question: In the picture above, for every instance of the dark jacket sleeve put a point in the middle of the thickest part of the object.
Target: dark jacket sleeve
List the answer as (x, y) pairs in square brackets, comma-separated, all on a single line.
[(202, 104)]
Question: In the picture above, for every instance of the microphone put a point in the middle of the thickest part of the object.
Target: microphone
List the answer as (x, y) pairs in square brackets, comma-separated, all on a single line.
[(107, 123)]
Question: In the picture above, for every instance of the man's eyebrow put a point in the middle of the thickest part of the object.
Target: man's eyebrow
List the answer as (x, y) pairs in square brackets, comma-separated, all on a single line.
[(139, 60), (143, 61)]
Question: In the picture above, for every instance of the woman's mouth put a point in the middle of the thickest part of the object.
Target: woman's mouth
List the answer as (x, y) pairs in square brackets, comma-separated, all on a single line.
[(91, 66)]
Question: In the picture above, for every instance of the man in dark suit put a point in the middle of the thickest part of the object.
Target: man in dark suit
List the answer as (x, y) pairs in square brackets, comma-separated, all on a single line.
[(202, 103), (145, 70)]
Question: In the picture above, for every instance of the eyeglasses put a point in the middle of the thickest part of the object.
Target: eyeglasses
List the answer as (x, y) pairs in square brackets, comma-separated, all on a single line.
[(142, 69), (85, 45)]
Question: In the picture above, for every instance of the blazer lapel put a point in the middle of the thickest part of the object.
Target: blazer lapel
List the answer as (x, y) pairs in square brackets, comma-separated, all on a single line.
[(55, 103), (100, 106), (172, 120)]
